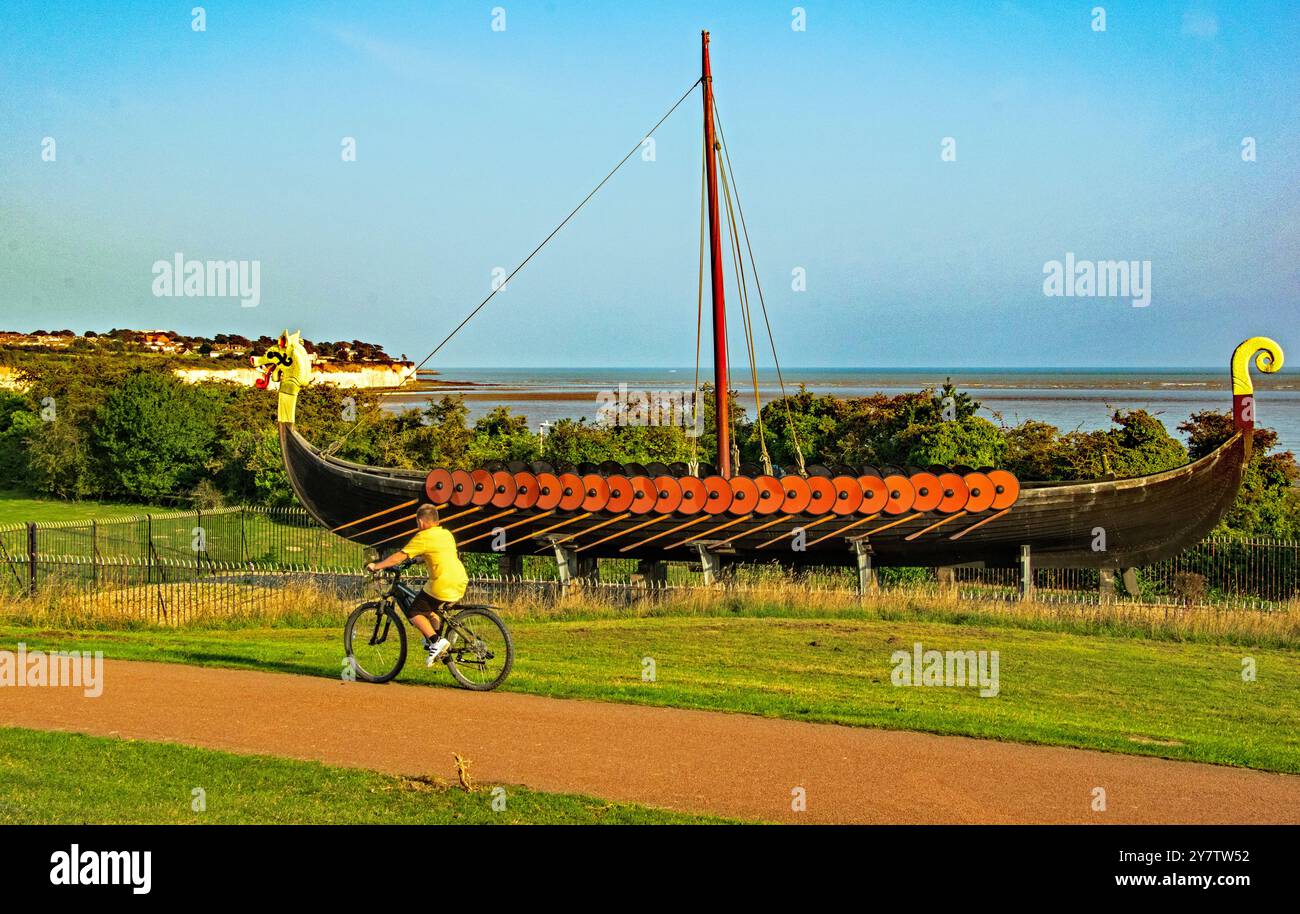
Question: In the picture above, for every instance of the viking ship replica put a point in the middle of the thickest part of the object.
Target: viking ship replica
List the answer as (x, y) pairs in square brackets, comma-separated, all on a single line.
[(813, 515)]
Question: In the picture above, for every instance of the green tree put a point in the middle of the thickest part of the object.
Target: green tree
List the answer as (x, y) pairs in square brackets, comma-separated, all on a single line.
[(153, 434)]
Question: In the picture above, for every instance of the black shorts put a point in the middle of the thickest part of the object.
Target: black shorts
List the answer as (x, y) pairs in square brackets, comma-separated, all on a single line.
[(426, 605)]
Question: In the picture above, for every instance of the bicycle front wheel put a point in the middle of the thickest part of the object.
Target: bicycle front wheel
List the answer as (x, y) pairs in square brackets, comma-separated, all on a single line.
[(481, 652), (375, 641)]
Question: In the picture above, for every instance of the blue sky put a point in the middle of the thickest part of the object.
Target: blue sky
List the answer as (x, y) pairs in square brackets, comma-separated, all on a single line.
[(472, 144)]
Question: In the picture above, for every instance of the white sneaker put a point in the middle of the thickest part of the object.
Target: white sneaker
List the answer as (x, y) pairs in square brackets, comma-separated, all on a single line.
[(435, 650)]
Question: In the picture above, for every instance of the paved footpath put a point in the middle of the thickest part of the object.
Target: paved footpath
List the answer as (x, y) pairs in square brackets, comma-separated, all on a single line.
[(695, 761)]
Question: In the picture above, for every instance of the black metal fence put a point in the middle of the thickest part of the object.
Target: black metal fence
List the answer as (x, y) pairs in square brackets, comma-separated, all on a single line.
[(181, 565)]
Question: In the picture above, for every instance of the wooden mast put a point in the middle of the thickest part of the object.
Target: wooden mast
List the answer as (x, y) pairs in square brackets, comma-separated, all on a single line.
[(722, 412)]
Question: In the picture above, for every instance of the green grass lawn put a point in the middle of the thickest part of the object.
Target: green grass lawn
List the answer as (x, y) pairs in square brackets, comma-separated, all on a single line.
[(21, 507), (1164, 698), (114, 781)]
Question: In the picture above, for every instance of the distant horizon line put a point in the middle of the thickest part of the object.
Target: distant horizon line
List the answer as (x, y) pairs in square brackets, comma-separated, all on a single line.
[(787, 369)]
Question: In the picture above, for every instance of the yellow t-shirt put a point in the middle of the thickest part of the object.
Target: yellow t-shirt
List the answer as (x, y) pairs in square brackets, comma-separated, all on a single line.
[(447, 576)]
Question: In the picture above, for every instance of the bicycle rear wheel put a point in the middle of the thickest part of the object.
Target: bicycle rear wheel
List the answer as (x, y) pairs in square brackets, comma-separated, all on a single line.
[(375, 641), (481, 652)]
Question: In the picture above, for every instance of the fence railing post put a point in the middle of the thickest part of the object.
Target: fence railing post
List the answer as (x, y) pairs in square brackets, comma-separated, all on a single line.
[(1026, 574), (31, 559)]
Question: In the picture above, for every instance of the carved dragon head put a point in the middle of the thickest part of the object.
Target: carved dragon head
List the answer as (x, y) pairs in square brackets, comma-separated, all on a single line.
[(289, 364)]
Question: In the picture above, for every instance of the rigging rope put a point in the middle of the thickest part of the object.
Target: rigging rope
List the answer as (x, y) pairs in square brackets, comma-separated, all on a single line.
[(794, 433), (555, 231), (737, 258)]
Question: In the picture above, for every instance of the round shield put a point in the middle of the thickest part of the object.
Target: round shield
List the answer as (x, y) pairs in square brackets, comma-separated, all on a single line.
[(540, 466), (549, 491), (901, 493), (620, 494), (694, 495), (611, 468), (1006, 489), (493, 465), (517, 466), (848, 494), (955, 493), (770, 494), (817, 469), (462, 488), (797, 494), (928, 491), (870, 471), (483, 488), (503, 489), (668, 493), (572, 493), (717, 497), (644, 494), (634, 469), (744, 495), (981, 492), (437, 486), (874, 494), (823, 494), (525, 489), (586, 468), (657, 469), (679, 468), (595, 492)]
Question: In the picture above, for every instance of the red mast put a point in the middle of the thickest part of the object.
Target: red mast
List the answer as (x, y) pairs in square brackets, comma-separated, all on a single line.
[(715, 265)]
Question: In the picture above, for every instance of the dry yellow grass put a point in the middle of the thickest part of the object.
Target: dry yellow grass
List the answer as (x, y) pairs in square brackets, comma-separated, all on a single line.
[(305, 604)]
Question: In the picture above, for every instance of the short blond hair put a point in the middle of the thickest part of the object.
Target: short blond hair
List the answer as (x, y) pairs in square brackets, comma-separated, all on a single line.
[(426, 514)]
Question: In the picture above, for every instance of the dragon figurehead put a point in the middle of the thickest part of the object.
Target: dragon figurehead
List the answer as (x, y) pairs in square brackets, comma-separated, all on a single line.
[(289, 364)]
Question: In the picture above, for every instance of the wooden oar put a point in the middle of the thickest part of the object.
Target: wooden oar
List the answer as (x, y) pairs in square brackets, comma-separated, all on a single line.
[(857, 523), (775, 520), (991, 517), (562, 523), (485, 520), (395, 536), (400, 520), (681, 526), (614, 536), (781, 536), (882, 527), (518, 523), (926, 530), (591, 529), (691, 539), (359, 520)]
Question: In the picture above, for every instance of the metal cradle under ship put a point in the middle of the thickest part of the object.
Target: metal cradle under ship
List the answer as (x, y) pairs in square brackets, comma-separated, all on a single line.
[(935, 516)]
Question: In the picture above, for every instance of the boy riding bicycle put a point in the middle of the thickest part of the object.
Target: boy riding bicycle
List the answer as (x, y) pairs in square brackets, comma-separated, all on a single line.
[(447, 577)]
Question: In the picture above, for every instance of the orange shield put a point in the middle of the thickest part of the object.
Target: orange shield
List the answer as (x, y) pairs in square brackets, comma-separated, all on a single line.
[(503, 489), (668, 494), (718, 494), (437, 486)]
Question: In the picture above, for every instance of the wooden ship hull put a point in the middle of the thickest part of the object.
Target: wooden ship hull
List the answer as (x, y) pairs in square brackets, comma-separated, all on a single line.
[(1100, 524)]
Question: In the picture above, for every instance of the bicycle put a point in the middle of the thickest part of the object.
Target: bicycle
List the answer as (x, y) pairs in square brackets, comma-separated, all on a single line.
[(479, 657)]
